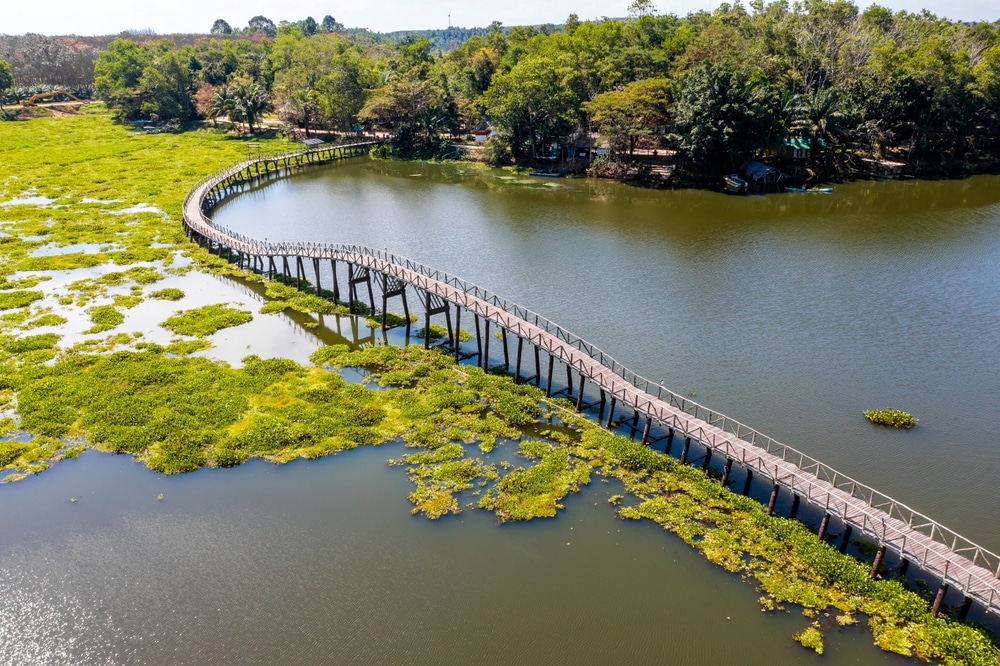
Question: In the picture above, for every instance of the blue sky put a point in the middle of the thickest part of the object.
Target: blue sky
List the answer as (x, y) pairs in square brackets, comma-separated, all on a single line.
[(82, 17)]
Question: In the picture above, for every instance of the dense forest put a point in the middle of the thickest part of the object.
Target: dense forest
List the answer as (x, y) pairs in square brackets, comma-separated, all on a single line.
[(842, 85)]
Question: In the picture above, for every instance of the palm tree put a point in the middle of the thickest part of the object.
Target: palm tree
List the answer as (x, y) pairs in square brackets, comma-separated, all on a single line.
[(822, 115), (249, 102), (221, 104)]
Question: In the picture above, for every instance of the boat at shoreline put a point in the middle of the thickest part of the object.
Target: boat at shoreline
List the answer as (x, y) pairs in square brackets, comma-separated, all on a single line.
[(734, 184)]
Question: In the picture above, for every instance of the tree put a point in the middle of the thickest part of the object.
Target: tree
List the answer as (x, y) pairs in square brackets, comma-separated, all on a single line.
[(532, 103), (309, 26), (6, 79), (249, 101), (723, 118), (625, 116), (262, 24), (221, 27), (330, 24)]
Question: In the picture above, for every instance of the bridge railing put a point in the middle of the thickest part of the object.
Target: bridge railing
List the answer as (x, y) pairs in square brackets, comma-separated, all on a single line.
[(382, 260)]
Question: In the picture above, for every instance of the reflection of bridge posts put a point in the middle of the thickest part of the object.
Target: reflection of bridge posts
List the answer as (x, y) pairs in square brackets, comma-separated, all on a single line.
[(356, 334), (392, 286)]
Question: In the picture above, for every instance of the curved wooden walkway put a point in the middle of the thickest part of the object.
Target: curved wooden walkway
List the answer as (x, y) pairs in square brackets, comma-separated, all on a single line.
[(958, 562)]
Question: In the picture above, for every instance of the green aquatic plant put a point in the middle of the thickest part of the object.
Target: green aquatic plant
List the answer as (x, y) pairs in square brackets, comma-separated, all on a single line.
[(811, 637), (168, 294), (18, 299), (104, 318), (891, 417), (206, 320)]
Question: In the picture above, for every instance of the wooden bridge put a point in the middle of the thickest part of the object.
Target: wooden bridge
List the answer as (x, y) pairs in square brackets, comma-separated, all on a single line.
[(957, 562)]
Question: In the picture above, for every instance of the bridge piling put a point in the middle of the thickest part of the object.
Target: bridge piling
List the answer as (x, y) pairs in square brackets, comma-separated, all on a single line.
[(773, 500), (823, 524), (506, 352), (685, 449), (336, 284), (611, 413), (548, 383), (848, 530), (727, 468), (645, 430), (795, 506), (879, 554), (486, 345), (746, 484)]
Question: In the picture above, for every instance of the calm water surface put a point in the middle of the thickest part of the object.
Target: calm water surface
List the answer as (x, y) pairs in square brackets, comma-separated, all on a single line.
[(791, 313)]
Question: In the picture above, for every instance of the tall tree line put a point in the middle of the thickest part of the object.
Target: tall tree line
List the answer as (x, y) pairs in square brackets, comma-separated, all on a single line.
[(716, 87)]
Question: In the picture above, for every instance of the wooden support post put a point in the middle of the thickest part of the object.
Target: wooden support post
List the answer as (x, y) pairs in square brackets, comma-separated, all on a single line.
[(795, 506), (517, 364), (963, 611), (645, 430), (684, 451), (458, 333), (452, 334), (319, 289), (904, 566), (611, 413), (879, 554), (603, 404), (538, 366), (746, 484), (506, 354), (774, 498), (726, 469), (274, 269), (299, 273), (634, 426), (821, 534), (939, 599), (708, 459), (486, 345), (579, 395), (848, 530), (479, 342), (352, 290), (371, 294), (548, 383), (336, 285), (284, 262), (427, 322)]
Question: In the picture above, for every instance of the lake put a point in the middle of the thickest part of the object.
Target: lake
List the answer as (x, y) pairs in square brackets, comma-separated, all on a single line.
[(791, 313)]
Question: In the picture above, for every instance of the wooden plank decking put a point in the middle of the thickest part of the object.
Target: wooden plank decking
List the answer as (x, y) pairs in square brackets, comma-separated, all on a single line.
[(960, 563)]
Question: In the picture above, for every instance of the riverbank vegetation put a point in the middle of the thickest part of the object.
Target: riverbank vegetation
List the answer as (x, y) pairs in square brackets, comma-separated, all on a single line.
[(82, 227), (819, 88)]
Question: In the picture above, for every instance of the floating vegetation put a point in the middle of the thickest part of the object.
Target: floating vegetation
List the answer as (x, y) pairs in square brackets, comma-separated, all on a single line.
[(168, 294), (392, 320), (104, 318), (18, 299), (811, 637), (891, 417), (206, 320)]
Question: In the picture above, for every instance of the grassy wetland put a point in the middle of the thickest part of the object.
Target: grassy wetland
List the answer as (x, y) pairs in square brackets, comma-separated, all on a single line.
[(90, 232)]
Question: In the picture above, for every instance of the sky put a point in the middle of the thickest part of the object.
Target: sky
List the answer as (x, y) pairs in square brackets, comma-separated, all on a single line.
[(104, 17)]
